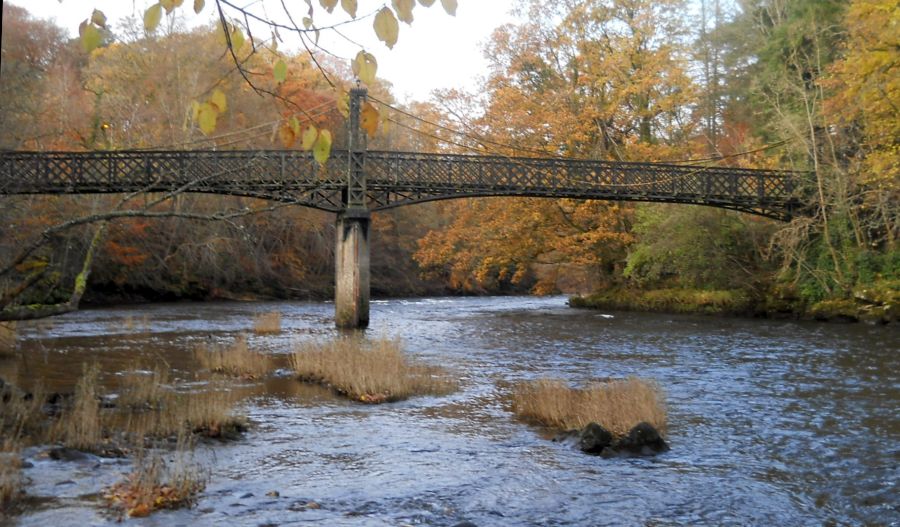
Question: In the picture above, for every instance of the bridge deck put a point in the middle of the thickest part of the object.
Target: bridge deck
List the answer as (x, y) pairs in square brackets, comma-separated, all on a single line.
[(396, 178)]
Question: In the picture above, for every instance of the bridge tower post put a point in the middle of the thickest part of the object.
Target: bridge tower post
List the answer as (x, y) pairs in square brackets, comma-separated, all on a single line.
[(351, 285)]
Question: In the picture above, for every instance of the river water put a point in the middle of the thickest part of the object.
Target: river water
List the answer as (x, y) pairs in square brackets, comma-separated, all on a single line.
[(770, 422)]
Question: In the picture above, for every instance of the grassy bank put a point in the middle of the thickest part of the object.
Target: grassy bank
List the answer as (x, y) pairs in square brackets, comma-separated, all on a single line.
[(720, 302), (875, 303)]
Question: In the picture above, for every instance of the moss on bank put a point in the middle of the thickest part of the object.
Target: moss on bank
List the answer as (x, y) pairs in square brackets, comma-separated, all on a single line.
[(877, 303), (718, 302)]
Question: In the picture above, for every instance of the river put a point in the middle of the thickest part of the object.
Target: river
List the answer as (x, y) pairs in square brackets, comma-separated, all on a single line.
[(770, 422)]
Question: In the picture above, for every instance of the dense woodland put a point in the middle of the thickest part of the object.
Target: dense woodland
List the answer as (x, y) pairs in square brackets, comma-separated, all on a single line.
[(809, 85)]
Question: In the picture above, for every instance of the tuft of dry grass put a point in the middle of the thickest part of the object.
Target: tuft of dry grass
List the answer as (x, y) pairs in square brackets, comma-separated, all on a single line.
[(142, 390), (617, 405), (236, 360), (81, 426), (21, 414), (155, 484), (373, 371), (11, 480), (267, 323)]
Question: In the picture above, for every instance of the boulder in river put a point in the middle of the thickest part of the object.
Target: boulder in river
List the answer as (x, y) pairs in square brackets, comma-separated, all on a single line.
[(642, 440), (594, 438)]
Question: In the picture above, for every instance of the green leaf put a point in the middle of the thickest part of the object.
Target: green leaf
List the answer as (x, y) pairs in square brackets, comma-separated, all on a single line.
[(280, 71), (307, 23), (404, 9), (207, 117), (449, 6), (218, 100), (310, 134), (350, 7), (387, 29), (98, 18), (199, 5), (365, 67), (90, 37), (328, 4), (322, 148), (152, 16)]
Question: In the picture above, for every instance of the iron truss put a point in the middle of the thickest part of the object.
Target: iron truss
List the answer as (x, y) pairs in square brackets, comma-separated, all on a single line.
[(393, 179)]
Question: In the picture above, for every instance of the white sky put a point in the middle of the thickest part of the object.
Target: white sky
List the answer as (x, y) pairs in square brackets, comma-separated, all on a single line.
[(437, 51)]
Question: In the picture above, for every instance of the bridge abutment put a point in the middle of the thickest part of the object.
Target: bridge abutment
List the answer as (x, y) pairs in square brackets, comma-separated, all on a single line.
[(351, 284)]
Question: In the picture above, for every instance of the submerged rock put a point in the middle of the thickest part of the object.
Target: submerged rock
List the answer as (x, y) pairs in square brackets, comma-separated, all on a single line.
[(594, 438), (642, 440)]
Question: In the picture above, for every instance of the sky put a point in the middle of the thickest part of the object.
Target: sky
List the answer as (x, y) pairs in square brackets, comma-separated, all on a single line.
[(437, 51)]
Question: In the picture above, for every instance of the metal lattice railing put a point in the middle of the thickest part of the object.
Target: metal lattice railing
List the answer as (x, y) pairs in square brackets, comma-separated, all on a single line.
[(396, 178)]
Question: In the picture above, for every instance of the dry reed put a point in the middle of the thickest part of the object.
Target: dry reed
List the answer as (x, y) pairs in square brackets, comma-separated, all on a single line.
[(267, 323), (155, 484), (236, 360), (617, 405), (11, 480), (140, 389), (81, 426), (368, 371)]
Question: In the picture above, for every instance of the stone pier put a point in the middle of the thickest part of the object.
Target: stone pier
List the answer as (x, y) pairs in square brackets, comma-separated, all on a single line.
[(351, 283)]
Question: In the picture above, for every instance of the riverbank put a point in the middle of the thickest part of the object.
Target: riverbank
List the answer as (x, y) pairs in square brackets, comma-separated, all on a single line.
[(878, 304)]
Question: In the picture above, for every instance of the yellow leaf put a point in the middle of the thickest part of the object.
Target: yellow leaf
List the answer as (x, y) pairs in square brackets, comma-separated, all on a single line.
[(322, 148), (207, 117), (168, 4), (286, 134), (449, 6), (309, 137), (294, 123), (199, 5), (195, 110), (152, 16), (427, 3), (369, 118), (218, 100), (404, 9), (343, 102), (365, 67), (237, 39), (387, 29), (98, 18), (90, 37), (280, 71), (350, 7), (328, 4)]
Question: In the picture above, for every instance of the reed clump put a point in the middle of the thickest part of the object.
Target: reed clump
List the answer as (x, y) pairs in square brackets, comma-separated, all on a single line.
[(155, 484), (617, 405), (374, 371), (236, 359), (11, 479), (267, 323), (81, 425), (141, 389)]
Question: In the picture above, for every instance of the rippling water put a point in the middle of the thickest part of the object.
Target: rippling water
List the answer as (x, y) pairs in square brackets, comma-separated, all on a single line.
[(770, 422)]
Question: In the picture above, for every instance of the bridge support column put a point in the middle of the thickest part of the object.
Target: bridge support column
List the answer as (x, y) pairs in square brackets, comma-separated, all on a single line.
[(351, 285)]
